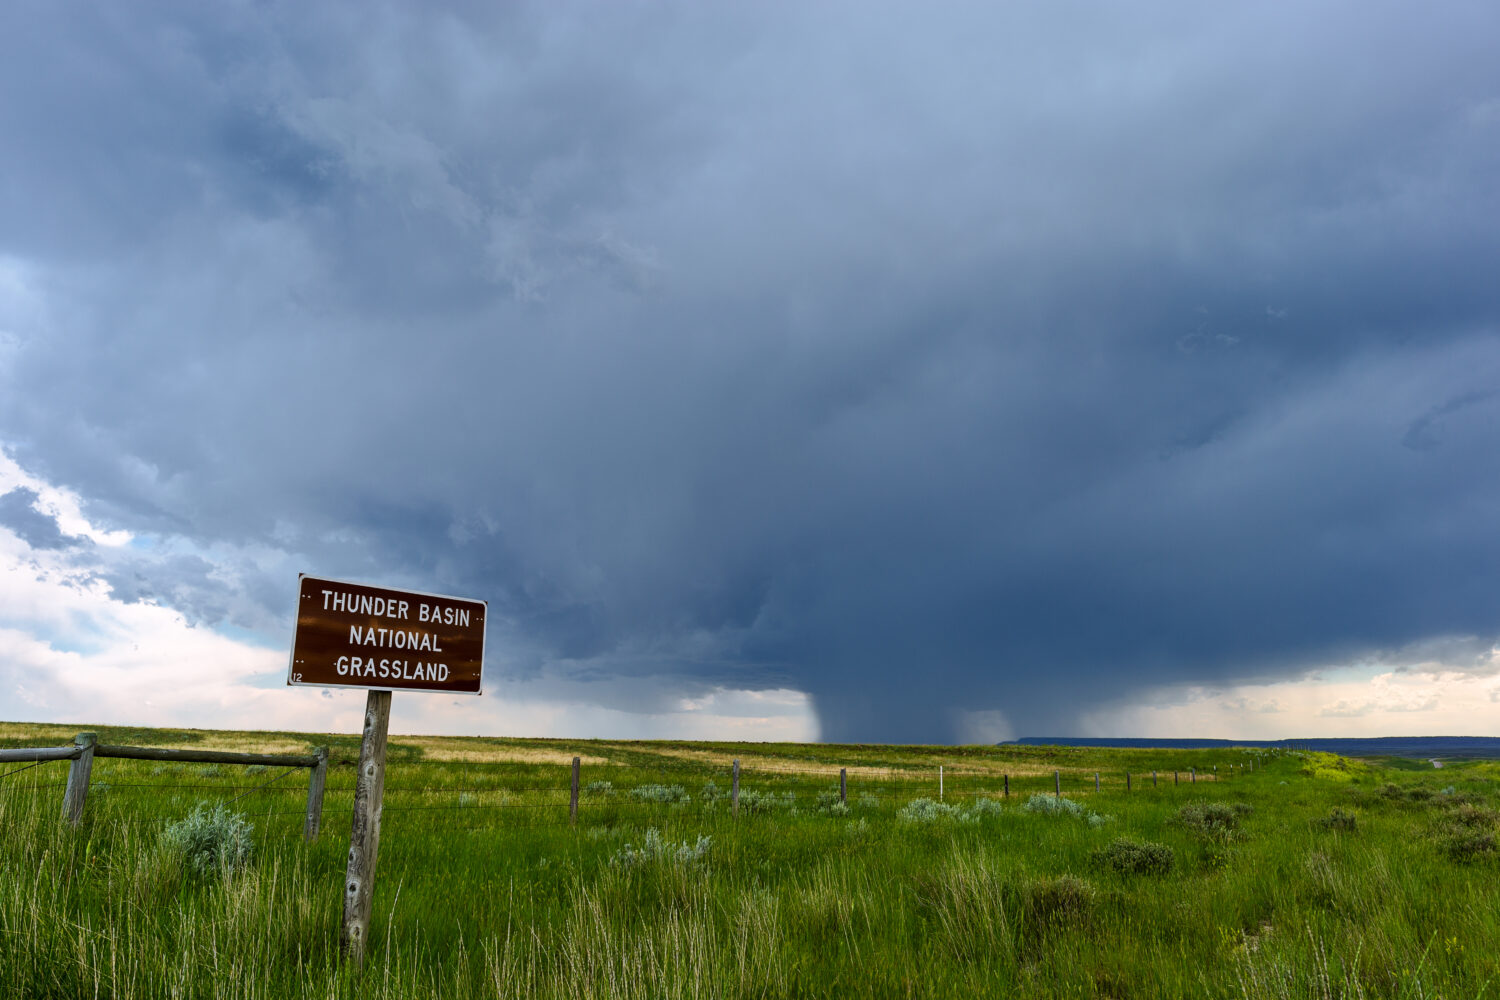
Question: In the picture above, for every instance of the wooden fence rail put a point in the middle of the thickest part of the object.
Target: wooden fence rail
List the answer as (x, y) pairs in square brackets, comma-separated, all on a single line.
[(86, 747), (17, 755), (206, 756)]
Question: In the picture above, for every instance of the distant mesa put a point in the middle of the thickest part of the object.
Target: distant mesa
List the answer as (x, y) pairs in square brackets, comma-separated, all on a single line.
[(1416, 747)]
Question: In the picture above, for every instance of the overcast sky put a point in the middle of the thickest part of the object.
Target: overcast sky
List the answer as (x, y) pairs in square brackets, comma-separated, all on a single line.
[(793, 370)]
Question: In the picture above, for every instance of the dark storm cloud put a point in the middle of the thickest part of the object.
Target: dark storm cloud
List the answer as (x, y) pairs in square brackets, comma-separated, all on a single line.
[(928, 362)]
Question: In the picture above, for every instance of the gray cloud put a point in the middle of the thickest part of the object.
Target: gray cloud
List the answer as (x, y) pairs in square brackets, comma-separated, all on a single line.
[(928, 362), (19, 513)]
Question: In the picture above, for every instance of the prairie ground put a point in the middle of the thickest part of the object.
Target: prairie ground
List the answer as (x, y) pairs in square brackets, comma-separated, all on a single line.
[(1312, 876)]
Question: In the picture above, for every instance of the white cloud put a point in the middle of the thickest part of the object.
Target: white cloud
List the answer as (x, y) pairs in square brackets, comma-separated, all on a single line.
[(1337, 700)]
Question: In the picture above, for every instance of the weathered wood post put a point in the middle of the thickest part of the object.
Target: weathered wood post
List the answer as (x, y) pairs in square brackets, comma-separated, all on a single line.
[(1057, 784), (1096, 781), (1153, 779), (1174, 778), (940, 782), (843, 786), (1193, 774), (1127, 781), (1007, 786), (316, 778), (573, 800), (77, 790), (364, 834), (734, 790)]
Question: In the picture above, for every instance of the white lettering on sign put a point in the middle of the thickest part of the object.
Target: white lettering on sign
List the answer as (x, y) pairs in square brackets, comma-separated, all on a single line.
[(447, 616), (405, 670), (364, 604), (399, 638)]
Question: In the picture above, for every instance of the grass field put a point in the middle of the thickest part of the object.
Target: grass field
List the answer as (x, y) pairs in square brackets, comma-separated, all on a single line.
[(1313, 876)]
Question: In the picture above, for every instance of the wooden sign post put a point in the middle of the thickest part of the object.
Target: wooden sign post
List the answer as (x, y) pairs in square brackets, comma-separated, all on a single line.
[(354, 635), (364, 834)]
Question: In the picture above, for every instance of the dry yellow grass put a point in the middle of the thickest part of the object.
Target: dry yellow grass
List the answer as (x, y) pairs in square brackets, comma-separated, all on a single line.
[(593, 753), (36, 732), (753, 760), (448, 750), (229, 741)]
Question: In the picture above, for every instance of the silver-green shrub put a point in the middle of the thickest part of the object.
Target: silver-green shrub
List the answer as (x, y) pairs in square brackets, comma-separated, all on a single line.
[(930, 811), (831, 804), (986, 807), (1053, 805), (754, 801), (670, 794), (653, 850), (210, 840), (1056, 805)]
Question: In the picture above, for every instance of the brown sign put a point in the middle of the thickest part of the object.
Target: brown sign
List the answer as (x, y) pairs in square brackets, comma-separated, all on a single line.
[(353, 635)]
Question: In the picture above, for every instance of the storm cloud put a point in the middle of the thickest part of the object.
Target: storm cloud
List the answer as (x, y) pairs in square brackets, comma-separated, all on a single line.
[(929, 361)]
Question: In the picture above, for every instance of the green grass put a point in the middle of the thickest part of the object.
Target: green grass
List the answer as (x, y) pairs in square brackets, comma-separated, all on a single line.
[(1322, 878)]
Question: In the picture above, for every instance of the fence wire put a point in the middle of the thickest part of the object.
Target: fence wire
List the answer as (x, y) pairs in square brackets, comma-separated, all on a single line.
[(18, 770), (251, 791), (541, 802)]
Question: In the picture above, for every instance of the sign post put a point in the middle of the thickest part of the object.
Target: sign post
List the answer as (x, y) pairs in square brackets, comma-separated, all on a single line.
[(356, 636), (364, 833)]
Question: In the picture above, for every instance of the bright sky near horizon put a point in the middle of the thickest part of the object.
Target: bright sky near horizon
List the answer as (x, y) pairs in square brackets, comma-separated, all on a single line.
[(842, 371)]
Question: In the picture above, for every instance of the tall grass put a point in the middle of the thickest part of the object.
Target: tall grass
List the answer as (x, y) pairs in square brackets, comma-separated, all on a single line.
[(485, 890)]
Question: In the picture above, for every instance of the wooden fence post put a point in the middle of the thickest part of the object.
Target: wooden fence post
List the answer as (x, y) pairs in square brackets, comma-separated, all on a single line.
[(78, 778), (317, 776), (573, 801), (734, 790), (1127, 781), (1193, 774), (1007, 786), (843, 786), (1174, 778), (1057, 783), (364, 832), (1153, 779), (940, 782), (1096, 781)]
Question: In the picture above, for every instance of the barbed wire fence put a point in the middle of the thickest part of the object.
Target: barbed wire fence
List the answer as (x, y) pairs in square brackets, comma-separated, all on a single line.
[(602, 791)]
